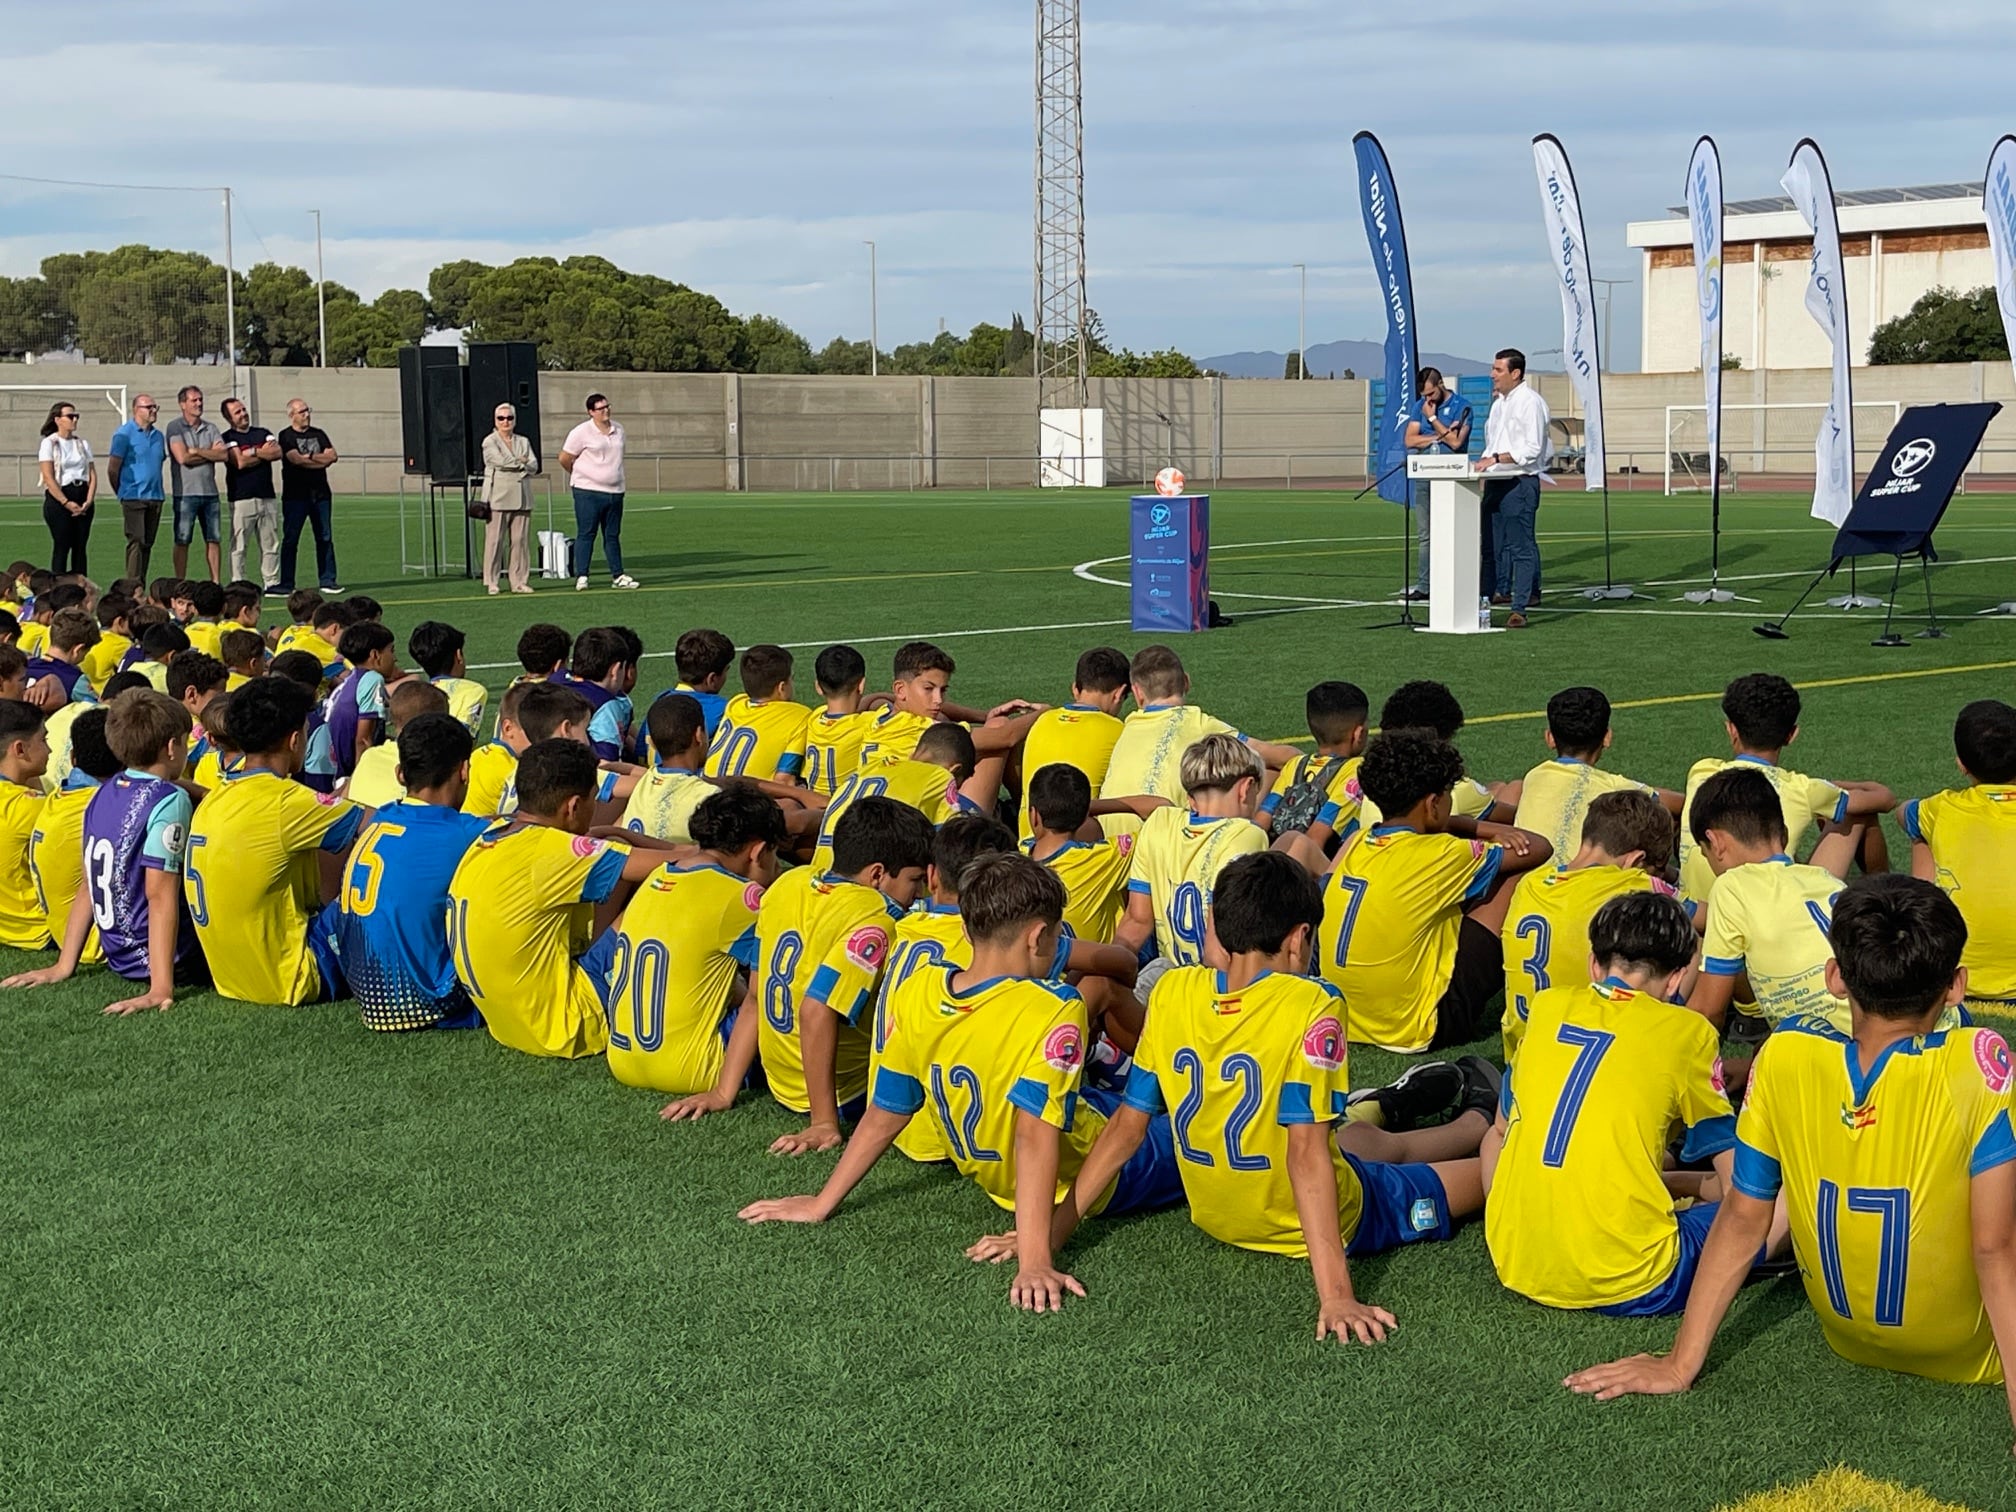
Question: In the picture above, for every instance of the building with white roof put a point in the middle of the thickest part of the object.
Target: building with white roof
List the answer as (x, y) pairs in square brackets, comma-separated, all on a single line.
[(1895, 243)]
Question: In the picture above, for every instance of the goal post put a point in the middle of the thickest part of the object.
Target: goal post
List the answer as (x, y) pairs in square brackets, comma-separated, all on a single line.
[(1688, 469), (25, 406)]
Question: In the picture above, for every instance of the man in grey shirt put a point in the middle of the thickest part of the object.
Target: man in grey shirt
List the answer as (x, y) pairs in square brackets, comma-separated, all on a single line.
[(195, 447)]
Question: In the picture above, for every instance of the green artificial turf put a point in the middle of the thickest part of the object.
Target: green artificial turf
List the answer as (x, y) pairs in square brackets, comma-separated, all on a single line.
[(260, 1257)]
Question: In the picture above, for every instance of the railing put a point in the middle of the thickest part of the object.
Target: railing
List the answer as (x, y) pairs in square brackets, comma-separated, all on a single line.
[(1758, 468)]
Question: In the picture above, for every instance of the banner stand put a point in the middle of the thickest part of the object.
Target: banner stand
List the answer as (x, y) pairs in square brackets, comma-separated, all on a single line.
[(1704, 219), (1998, 207), (1610, 590)]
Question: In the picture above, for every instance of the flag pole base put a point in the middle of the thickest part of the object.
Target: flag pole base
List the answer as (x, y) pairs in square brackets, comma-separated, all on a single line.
[(1613, 591), (1715, 596), (2008, 608), (1855, 601)]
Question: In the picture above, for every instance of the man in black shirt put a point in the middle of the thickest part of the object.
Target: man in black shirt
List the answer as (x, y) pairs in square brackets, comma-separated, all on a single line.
[(250, 452), (306, 455)]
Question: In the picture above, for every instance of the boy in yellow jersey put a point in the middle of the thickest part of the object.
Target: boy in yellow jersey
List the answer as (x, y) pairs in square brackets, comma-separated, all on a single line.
[(823, 941), (208, 623), (666, 797), (1577, 1213), (1767, 918), (1966, 843), (997, 1056), (1180, 851), (244, 657), (437, 649), (56, 849), (253, 874), (1083, 732), (542, 650), (1148, 755), (1252, 1060), (532, 712), (1317, 794), (678, 1002), (1555, 796), (115, 639), (24, 757), (762, 731), (938, 780), (1428, 705), (1413, 910), (1892, 1150), (218, 757), (834, 734), (521, 908), (1094, 873), (241, 608), (1627, 840), (376, 782), (300, 635), (920, 675), (1760, 711)]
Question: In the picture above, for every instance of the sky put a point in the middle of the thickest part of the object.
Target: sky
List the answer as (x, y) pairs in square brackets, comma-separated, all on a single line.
[(751, 148)]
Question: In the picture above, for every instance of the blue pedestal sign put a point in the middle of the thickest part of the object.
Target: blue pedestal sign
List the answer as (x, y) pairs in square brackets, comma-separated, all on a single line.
[(1171, 542)]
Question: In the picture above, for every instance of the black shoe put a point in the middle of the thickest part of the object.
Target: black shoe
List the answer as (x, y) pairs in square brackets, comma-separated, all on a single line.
[(1415, 595), (1482, 1084), (1423, 1096)]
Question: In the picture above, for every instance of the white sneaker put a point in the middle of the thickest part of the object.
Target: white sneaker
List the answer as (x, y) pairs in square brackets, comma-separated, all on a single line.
[(580, 583), (493, 590), (624, 580)]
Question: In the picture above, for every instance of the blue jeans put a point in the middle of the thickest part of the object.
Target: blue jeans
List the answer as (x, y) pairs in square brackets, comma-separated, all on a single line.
[(595, 510), (1517, 510), (296, 513), (1420, 508)]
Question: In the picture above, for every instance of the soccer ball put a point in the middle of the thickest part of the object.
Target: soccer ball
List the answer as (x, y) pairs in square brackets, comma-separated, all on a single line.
[(1169, 482)]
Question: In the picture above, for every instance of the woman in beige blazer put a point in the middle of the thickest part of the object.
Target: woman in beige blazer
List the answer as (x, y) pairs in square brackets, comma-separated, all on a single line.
[(508, 465)]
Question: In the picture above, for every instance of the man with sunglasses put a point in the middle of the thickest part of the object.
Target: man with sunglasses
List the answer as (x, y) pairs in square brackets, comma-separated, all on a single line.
[(135, 462)]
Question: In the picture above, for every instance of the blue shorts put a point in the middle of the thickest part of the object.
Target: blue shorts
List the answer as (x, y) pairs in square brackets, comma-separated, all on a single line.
[(189, 510), (1670, 1296), (1151, 1179), (325, 930), (1404, 1204), (596, 961)]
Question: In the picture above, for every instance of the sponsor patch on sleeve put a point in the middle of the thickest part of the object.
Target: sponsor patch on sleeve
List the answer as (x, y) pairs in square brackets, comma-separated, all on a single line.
[(586, 846), (868, 947), (1716, 1079), (1478, 848), (1064, 1049), (752, 895), (1991, 1054), (1323, 1045)]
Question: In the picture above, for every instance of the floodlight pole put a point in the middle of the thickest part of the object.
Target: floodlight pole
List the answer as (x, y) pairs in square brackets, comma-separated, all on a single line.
[(1301, 311), (321, 311), (1607, 285), (230, 298), (874, 341)]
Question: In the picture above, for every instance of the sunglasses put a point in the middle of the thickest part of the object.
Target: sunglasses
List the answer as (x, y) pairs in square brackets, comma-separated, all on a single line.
[(504, 417), (601, 406), (147, 406), (67, 415)]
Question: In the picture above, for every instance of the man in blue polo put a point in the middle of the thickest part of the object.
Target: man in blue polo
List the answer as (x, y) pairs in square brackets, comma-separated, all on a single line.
[(137, 456), (1441, 427)]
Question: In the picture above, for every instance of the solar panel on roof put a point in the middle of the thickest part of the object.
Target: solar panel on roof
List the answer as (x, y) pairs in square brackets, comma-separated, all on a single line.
[(1914, 194)]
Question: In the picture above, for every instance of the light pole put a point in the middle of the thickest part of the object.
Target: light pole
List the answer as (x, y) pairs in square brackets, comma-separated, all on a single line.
[(1301, 322), (321, 313), (874, 343), (1607, 284)]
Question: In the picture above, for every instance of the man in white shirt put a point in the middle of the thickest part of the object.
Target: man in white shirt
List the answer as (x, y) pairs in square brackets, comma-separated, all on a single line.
[(593, 458), (1516, 451)]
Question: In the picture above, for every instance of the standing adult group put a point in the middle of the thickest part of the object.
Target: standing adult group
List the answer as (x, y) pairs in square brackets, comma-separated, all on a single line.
[(148, 465)]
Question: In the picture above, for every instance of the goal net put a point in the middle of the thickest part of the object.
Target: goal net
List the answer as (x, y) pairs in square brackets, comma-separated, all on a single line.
[(1763, 442)]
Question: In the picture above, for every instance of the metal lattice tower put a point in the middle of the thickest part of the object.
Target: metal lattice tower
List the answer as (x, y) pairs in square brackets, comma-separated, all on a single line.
[(1060, 210)]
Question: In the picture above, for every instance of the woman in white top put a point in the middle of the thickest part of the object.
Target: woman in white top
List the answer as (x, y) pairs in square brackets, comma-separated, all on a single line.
[(508, 465), (69, 488)]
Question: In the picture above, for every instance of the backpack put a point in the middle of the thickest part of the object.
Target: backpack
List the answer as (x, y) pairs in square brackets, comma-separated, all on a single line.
[(1304, 800)]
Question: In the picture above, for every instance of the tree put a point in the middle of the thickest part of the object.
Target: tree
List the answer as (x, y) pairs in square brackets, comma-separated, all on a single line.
[(138, 304), (448, 290), (843, 356), (32, 319), (775, 348), (1944, 326), (1292, 368), (277, 320)]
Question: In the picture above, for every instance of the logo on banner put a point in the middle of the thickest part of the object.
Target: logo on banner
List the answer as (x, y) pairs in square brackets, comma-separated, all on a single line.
[(1159, 516), (1913, 457)]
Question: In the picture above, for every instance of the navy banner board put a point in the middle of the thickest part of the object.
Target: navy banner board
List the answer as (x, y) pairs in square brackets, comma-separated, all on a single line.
[(1171, 544)]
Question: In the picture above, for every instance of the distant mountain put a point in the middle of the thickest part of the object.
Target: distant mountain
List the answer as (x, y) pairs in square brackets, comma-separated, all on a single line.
[(1365, 358)]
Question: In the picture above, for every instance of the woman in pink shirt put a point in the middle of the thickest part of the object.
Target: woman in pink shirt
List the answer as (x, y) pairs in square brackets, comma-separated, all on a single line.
[(593, 459)]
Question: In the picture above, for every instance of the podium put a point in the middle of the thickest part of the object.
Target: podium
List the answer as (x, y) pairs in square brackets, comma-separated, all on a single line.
[(1455, 536), (1170, 541)]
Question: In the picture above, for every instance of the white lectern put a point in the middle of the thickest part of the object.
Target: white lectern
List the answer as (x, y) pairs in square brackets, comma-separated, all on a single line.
[(1455, 530)]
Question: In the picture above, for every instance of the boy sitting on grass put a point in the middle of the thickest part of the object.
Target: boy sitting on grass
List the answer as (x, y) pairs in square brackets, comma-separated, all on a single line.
[(56, 850), (24, 757), (1966, 842), (1889, 1144), (1295, 1179), (1578, 1212), (834, 734), (376, 780), (1148, 754), (1555, 796), (1317, 794), (1094, 872), (437, 649), (136, 832), (998, 1055), (1084, 731), (244, 656)]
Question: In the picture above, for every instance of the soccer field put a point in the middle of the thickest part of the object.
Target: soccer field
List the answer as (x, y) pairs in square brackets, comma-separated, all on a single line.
[(260, 1257)]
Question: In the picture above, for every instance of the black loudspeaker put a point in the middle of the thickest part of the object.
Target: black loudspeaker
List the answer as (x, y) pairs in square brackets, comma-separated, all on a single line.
[(503, 372), (414, 363), (444, 392)]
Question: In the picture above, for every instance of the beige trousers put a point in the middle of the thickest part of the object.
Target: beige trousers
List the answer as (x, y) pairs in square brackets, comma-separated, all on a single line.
[(508, 530)]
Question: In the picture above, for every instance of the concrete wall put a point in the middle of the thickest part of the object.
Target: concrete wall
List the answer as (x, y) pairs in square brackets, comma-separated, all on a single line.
[(724, 431)]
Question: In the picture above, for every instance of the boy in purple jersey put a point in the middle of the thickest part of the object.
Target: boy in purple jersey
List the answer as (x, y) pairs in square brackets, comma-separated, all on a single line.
[(357, 707), (135, 832), (604, 670)]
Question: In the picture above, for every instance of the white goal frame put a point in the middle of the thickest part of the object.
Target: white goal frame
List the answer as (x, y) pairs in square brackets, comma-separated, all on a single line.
[(113, 393), (1894, 407)]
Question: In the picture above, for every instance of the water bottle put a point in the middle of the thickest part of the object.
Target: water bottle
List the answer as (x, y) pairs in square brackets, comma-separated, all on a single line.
[(1484, 612)]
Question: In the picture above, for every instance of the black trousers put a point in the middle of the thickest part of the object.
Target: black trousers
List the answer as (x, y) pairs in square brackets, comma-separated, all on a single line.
[(69, 533)]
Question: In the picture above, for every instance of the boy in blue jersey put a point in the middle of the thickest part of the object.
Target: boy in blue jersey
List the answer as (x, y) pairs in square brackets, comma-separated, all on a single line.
[(1009, 1050), (317, 771), (357, 707), (1892, 1148), (703, 658), (603, 672), (393, 938), (136, 832)]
